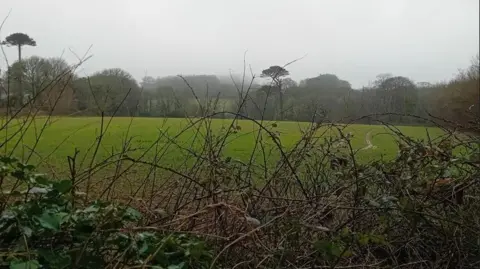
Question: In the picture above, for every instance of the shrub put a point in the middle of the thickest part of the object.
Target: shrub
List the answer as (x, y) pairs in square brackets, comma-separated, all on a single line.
[(42, 229)]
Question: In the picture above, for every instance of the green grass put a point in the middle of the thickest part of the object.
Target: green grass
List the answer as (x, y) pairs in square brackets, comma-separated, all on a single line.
[(63, 134)]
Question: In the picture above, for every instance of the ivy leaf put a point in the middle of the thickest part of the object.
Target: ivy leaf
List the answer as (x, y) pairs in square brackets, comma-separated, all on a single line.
[(8, 160), (8, 215), (23, 166), (63, 186), (39, 179), (62, 216), (37, 190), (32, 264), (15, 193), (91, 209), (132, 214), (51, 221), (144, 248), (18, 174)]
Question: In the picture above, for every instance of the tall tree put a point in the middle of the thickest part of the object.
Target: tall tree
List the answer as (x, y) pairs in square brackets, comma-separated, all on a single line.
[(277, 73), (19, 40)]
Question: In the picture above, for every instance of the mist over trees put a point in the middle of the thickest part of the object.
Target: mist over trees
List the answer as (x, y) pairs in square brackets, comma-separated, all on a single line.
[(389, 98)]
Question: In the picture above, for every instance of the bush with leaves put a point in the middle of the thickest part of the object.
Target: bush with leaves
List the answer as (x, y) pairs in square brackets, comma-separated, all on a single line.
[(40, 228)]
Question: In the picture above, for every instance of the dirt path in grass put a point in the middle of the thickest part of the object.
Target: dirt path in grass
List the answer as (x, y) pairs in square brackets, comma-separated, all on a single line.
[(368, 141)]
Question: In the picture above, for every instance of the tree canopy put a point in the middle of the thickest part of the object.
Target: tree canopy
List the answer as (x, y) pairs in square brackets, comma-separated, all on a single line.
[(275, 72), (326, 82), (390, 98), (19, 39), (109, 91)]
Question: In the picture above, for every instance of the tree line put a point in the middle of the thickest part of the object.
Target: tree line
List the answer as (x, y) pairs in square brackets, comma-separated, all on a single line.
[(50, 84)]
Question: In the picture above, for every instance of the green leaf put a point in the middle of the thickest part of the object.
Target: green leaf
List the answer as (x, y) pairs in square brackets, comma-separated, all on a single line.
[(50, 220), (143, 249), (132, 214), (32, 264), (18, 174), (147, 235), (15, 193), (196, 250), (25, 166), (63, 186), (91, 209), (40, 179), (336, 250), (37, 190), (8, 215), (63, 216), (8, 160), (363, 239)]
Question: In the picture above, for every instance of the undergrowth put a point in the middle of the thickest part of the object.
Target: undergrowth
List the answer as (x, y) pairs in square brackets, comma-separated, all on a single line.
[(47, 231), (317, 207)]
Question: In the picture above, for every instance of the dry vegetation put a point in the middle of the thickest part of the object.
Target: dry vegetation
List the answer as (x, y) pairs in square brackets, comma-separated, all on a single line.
[(316, 206)]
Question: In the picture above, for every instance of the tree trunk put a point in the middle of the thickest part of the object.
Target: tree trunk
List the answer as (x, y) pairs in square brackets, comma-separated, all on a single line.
[(20, 75), (280, 104), (280, 97), (19, 53)]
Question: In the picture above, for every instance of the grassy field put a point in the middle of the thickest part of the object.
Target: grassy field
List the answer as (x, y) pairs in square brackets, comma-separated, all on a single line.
[(62, 135)]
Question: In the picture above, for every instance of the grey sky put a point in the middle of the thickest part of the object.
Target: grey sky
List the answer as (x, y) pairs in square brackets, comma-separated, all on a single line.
[(426, 40)]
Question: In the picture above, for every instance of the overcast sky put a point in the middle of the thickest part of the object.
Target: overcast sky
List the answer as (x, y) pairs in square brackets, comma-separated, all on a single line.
[(426, 40)]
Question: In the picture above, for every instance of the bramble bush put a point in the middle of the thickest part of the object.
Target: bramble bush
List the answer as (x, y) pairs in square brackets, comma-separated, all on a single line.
[(418, 210), (40, 228)]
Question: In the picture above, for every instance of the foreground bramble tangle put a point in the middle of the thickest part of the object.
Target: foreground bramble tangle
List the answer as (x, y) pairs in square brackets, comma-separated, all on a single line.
[(207, 193)]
